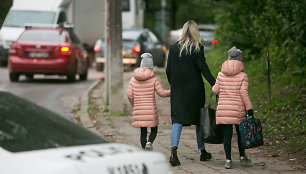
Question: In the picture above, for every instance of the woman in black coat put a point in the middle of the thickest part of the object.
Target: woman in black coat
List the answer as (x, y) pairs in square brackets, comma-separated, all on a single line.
[(185, 66)]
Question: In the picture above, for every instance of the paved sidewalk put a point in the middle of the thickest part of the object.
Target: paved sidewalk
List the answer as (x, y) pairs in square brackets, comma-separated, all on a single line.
[(118, 129)]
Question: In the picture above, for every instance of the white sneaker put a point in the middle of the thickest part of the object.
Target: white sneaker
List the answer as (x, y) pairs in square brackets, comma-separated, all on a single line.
[(149, 146), (228, 164), (244, 161)]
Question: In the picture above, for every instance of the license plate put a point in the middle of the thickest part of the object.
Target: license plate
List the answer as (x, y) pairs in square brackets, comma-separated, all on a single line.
[(38, 54)]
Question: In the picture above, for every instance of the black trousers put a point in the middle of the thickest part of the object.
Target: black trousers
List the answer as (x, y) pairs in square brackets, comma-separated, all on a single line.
[(143, 135), (227, 139)]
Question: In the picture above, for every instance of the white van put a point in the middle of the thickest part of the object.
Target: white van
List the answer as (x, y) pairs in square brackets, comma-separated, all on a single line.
[(29, 12)]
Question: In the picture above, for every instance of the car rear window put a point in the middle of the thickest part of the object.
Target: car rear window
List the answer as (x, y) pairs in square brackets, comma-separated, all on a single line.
[(25, 126), (43, 36), (130, 34)]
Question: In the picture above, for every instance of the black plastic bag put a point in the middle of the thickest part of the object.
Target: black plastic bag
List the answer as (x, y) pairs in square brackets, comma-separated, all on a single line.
[(210, 132)]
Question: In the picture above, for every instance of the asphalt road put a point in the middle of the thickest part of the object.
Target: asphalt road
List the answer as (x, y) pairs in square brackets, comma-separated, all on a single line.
[(51, 92)]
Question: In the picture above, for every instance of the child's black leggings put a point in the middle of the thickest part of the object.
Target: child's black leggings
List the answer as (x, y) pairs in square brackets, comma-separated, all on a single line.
[(143, 135), (227, 139)]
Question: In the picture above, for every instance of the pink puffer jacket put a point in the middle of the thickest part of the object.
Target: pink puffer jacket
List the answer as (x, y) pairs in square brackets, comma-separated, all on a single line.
[(141, 94), (232, 88)]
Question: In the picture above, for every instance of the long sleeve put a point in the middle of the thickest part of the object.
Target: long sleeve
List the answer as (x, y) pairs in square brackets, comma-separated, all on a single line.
[(130, 94), (244, 93), (168, 72), (160, 90), (216, 87), (201, 63)]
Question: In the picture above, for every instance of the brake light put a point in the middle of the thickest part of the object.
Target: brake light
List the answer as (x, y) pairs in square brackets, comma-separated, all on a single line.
[(164, 48), (97, 48), (14, 49), (136, 49), (64, 49), (215, 41)]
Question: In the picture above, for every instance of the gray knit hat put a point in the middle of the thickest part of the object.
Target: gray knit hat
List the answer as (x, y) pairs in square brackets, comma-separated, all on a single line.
[(235, 54), (146, 61)]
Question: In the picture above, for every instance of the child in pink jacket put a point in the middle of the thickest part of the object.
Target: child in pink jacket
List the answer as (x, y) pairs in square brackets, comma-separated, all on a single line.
[(232, 87), (141, 94)]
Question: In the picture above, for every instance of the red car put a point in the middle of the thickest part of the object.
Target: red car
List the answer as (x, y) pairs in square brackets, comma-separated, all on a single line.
[(49, 51)]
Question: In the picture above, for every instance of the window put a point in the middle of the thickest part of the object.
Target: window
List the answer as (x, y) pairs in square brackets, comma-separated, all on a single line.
[(125, 5), (18, 18), (61, 18), (130, 34), (74, 38), (152, 37), (43, 35), (25, 126)]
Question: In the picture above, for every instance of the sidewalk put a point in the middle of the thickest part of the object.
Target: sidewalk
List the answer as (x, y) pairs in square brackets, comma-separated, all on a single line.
[(118, 129)]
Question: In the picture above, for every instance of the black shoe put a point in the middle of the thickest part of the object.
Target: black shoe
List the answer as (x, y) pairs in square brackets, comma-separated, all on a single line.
[(174, 161), (205, 155)]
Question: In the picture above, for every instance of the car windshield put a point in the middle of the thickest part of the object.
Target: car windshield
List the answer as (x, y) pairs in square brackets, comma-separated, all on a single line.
[(26, 126), (43, 35), (130, 34), (18, 18)]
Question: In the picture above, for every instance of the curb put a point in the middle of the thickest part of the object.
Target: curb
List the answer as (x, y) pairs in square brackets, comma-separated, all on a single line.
[(84, 116)]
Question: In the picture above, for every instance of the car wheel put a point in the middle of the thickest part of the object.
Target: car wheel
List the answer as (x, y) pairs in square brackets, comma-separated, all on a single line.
[(99, 66), (14, 77), (71, 77), (3, 63), (84, 75)]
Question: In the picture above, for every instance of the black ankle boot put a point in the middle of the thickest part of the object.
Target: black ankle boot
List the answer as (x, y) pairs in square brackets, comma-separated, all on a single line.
[(174, 161), (205, 155)]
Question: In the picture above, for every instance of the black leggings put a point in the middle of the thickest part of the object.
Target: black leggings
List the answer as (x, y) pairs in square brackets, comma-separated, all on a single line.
[(143, 135), (227, 139)]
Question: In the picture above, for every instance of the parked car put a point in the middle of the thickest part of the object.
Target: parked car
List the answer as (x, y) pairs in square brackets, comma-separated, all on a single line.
[(49, 51), (29, 11), (34, 140), (135, 42), (206, 32)]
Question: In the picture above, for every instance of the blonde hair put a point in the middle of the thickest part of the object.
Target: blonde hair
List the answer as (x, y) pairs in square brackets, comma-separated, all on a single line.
[(190, 37)]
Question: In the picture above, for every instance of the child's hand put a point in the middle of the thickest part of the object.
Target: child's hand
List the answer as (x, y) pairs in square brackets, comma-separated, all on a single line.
[(250, 112)]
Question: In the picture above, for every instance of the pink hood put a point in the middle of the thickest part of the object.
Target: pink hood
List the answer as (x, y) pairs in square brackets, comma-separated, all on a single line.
[(143, 74), (232, 67)]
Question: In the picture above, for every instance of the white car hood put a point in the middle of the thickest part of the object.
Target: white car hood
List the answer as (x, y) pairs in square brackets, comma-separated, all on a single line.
[(88, 159), (10, 34)]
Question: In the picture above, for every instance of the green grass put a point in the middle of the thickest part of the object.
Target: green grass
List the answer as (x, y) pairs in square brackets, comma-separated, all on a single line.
[(117, 114)]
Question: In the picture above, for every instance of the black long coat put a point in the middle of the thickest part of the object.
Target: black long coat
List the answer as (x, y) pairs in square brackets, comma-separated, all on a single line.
[(187, 87)]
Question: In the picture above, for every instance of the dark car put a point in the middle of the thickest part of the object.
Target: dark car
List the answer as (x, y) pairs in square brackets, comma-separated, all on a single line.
[(135, 42), (49, 51), (34, 140)]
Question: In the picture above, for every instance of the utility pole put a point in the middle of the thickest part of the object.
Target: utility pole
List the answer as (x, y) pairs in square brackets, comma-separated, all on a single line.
[(114, 67), (268, 79), (163, 19)]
